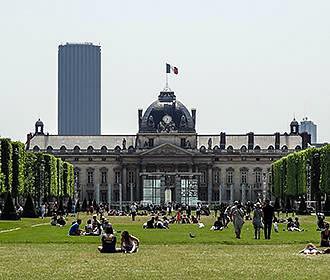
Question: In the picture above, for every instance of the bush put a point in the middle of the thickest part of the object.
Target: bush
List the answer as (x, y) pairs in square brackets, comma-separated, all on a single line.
[(9, 211), (29, 211)]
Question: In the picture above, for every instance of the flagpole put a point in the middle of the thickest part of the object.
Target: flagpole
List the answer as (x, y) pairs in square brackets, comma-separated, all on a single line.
[(166, 86)]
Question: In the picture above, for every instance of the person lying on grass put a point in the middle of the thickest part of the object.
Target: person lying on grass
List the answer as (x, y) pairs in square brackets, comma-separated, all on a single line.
[(109, 242), (310, 249), (129, 243), (74, 229)]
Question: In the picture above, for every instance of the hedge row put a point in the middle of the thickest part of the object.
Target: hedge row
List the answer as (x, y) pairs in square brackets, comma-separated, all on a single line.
[(290, 173), (39, 174)]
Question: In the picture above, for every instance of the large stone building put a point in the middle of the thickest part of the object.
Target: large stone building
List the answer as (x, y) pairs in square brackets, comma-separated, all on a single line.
[(168, 161)]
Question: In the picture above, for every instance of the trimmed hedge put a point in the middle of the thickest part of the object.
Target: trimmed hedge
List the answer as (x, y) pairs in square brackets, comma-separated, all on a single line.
[(40, 175), (290, 173)]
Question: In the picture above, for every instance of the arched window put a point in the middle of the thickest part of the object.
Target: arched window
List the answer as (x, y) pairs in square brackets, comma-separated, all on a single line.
[(216, 149), (230, 149), (63, 149), (271, 148), (284, 148), (90, 149), (76, 149), (36, 149), (49, 149), (202, 149), (257, 148), (131, 149), (243, 149), (103, 149), (298, 148), (117, 149)]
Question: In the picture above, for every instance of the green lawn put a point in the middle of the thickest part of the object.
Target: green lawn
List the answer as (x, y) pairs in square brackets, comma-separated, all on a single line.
[(35, 250)]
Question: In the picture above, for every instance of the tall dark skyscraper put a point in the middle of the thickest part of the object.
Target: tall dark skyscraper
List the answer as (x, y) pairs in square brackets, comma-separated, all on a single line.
[(79, 89)]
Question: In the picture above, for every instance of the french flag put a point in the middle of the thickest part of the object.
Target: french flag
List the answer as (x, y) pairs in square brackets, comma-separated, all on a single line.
[(173, 68)]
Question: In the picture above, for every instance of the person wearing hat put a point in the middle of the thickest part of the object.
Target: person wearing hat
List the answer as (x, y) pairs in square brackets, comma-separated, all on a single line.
[(257, 223)]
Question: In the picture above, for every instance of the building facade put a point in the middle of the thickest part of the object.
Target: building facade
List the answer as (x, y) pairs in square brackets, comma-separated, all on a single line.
[(167, 160), (309, 127), (79, 89)]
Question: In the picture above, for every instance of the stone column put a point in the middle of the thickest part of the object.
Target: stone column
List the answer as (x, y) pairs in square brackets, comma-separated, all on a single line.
[(109, 194), (232, 195), (178, 189), (243, 193), (209, 184), (97, 193), (124, 183), (162, 189), (220, 193), (131, 186), (137, 184), (121, 196)]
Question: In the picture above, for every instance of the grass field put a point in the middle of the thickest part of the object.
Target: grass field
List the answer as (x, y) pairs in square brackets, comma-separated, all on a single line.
[(32, 249)]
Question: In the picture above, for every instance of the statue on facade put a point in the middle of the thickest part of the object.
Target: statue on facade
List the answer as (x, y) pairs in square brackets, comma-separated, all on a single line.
[(183, 122), (124, 144), (151, 122), (210, 144)]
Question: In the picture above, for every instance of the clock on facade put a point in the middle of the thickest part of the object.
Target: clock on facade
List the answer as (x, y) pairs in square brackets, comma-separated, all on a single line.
[(167, 119)]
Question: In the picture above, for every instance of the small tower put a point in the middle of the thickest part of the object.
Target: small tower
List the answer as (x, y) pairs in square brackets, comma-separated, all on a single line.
[(39, 128), (294, 127)]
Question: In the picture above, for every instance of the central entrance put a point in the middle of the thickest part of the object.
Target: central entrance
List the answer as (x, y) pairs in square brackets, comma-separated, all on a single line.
[(164, 188)]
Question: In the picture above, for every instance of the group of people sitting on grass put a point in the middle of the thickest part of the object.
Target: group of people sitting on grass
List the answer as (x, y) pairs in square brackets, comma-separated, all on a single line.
[(58, 220), (128, 244)]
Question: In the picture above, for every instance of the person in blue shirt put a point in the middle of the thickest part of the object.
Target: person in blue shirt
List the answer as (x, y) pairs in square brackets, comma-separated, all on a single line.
[(74, 230)]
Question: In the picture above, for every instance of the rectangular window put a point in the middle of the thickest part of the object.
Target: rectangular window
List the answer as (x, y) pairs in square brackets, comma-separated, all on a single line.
[(117, 177), (151, 142), (90, 177), (104, 196), (217, 177), (131, 176), (258, 177), (151, 191), (90, 195), (229, 177), (104, 177), (116, 195), (183, 142), (203, 177), (243, 177)]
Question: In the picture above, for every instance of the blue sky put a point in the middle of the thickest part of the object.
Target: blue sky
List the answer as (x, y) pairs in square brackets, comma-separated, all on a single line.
[(245, 65)]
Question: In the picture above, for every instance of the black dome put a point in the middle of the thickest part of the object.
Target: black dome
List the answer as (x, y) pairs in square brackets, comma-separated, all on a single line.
[(179, 120)]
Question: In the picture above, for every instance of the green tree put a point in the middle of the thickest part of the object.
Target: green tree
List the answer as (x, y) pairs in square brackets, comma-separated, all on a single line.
[(18, 161), (6, 163)]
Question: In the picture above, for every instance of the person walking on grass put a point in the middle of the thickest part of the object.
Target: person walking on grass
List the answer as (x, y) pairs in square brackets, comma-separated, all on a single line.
[(257, 220), (268, 215), (237, 218)]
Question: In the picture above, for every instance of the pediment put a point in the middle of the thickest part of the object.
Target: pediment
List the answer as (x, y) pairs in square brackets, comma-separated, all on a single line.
[(167, 150)]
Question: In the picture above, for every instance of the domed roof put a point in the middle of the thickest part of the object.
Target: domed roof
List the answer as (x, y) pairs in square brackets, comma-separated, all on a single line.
[(167, 115), (294, 122), (39, 122)]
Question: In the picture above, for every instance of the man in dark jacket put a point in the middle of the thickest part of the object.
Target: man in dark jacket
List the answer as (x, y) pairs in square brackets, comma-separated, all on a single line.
[(268, 215)]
